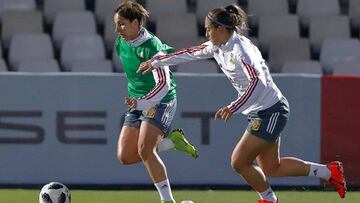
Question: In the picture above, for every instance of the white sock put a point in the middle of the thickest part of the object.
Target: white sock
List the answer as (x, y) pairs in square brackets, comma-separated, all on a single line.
[(319, 170), (164, 190), (268, 195), (165, 144)]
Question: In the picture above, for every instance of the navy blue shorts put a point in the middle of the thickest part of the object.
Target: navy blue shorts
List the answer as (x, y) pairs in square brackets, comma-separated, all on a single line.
[(268, 123), (161, 116)]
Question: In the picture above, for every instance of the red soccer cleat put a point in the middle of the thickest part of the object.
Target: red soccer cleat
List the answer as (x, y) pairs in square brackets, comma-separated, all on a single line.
[(267, 201), (337, 178)]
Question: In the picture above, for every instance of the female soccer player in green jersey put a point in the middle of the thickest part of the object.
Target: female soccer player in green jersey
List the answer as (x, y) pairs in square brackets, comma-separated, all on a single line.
[(151, 99)]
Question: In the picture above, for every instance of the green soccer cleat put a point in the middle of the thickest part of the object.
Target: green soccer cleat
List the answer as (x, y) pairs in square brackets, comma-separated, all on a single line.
[(177, 136), (163, 201)]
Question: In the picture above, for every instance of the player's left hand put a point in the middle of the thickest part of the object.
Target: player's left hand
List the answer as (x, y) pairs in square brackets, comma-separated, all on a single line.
[(130, 102), (145, 67), (223, 113)]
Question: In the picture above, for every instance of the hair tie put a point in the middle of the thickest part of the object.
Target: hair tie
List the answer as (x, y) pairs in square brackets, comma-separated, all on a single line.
[(218, 22)]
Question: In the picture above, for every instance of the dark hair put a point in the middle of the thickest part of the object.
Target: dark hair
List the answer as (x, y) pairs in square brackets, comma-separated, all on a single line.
[(131, 10), (232, 17)]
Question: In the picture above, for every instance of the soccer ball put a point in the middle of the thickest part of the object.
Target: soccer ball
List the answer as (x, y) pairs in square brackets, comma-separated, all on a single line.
[(54, 192), (187, 201)]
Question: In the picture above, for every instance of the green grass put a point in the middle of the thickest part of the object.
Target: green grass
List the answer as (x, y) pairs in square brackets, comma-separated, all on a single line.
[(217, 196)]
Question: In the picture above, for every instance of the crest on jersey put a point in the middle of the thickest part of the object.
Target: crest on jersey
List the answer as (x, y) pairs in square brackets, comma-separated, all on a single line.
[(232, 58), (151, 112), (141, 54), (255, 124)]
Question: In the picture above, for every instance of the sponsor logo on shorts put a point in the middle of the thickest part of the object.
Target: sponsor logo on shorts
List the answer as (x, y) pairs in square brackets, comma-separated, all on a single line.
[(255, 124), (151, 112)]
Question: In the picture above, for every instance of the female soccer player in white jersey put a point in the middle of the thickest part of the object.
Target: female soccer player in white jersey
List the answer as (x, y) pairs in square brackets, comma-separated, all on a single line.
[(258, 97), (151, 99)]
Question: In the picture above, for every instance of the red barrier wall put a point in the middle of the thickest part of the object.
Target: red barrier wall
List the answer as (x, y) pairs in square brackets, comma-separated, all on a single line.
[(340, 124)]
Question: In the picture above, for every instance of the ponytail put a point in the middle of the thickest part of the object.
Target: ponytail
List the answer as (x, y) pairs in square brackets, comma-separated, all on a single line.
[(232, 17)]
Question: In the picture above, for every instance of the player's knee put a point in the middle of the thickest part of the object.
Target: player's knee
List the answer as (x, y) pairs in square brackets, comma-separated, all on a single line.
[(144, 151), (125, 158), (237, 165)]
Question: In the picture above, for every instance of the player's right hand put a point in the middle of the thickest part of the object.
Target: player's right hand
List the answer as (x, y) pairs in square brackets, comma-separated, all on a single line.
[(130, 102), (145, 67), (223, 113)]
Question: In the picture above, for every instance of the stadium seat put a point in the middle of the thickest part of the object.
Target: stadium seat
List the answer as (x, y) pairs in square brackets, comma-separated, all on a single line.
[(185, 26), (199, 66), (46, 65), (181, 34), (109, 32), (282, 50), (20, 21), (354, 13), (27, 47), (6, 5), (327, 27), (310, 8), (302, 66), (104, 8), (160, 8), (334, 50), (344, 2), (347, 68), (205, 6), (1, 50), (289, 29), (69, 23), (91, 66), (52, 7), (257, 8), (80, 48), (3, 67), (292, 3), (180, 42)]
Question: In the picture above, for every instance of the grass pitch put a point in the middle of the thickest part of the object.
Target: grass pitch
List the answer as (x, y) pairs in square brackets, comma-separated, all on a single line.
[(197, 196)]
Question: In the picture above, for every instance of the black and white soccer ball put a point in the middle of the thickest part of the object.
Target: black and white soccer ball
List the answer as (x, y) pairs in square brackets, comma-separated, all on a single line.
[(54, 192)]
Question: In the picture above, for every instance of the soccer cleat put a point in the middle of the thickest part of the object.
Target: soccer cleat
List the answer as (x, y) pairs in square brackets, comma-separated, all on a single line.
[(177, 136), (267, 201), (337, 178), (171, 201)]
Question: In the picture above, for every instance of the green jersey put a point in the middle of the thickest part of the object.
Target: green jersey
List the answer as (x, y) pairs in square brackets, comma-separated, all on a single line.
[(150, 88)]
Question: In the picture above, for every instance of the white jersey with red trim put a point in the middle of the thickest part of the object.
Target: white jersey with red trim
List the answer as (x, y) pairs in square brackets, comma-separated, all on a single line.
[(244, 66)]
